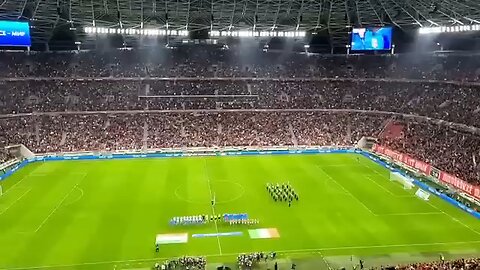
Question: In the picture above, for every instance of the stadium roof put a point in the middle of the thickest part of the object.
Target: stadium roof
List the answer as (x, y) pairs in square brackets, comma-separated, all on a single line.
[(336, 16)]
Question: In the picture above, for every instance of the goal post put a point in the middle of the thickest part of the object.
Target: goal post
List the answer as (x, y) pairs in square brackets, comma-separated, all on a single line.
[(405, 181), (422, 194)]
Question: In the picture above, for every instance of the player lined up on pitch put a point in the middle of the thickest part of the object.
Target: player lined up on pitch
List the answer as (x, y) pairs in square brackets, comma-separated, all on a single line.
[(282, 192), (232, 219)]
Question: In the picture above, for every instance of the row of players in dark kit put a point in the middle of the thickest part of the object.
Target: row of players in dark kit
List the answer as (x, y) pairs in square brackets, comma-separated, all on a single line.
[(282, 192)]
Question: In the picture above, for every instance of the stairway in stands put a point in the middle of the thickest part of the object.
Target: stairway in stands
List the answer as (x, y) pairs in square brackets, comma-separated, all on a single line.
[(393, 130)]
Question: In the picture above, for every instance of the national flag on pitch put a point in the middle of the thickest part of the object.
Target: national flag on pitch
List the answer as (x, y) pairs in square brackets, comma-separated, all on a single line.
[(264, 233)]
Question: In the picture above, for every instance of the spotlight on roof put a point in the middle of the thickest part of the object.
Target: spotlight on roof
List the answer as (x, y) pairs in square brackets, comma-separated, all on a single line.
[(136, 32), (449, 29)]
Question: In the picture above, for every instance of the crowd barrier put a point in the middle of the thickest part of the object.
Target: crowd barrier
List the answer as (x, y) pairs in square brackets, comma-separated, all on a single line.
[(90, 156)]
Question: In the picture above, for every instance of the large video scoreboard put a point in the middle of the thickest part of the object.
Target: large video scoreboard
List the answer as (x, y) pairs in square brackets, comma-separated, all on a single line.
[(14, 33), (371, 39)]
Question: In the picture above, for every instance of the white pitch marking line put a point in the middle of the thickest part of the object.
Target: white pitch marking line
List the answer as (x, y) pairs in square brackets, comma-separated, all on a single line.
[(324, 260), (374, 169), (213, 207), (382, 187), (12, 187), (346, 190), (55, 209), (77, 199), (411, 214), (454, 219), (18, 199), (383, 176), (443, 212), (291, 251)]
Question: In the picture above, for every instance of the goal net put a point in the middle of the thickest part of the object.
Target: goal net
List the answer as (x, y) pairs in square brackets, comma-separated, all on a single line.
[(406, 182), (422, 194)]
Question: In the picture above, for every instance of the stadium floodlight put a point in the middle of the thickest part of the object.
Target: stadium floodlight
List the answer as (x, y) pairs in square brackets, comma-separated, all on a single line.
[(249, 33), (449, 29), (300, 33), (214, 33), (133, 31)]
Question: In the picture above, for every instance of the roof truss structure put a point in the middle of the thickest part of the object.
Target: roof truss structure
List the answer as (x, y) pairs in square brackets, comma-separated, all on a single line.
[(336, 16)]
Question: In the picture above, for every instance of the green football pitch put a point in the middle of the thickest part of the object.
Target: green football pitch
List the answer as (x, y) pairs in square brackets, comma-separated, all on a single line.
[(105, 214)]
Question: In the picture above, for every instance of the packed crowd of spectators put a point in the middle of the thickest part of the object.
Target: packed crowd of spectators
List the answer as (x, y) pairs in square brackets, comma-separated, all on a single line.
[(451, 150), (108, 132), (460, 264), (450, 102), (203, 61)]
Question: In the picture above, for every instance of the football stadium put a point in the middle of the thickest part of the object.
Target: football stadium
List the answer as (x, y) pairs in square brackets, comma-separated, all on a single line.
[(201, 134)]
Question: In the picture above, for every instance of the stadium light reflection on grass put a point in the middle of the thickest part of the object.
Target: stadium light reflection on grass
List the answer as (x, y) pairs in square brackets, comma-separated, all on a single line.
[(449, 29), (288, 34), (135, 32)]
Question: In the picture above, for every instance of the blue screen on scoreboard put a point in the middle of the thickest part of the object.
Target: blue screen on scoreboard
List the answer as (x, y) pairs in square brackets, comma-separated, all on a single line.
[(14, 33), (371, 39)]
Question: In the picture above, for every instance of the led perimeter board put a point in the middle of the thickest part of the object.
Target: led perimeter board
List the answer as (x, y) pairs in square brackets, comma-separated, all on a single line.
[(14, 33), (371, 39)]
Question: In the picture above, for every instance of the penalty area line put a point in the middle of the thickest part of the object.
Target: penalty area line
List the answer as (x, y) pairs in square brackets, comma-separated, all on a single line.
[(453, 218), (18, 199), (55, 209), (16, 184), (60, 203), (346, 190), (291, 251)]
